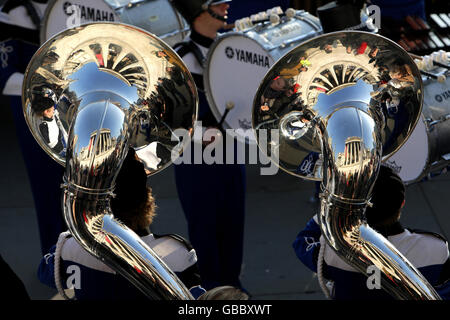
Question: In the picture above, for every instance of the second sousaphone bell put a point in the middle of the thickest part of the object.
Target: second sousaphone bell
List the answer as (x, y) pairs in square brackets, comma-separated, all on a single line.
[(339, 104)]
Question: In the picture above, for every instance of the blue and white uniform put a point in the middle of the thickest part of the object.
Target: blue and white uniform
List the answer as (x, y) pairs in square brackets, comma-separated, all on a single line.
[(91, 279), (426, 251)]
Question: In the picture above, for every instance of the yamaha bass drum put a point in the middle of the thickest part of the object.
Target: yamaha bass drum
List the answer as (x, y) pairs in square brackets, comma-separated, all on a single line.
[(238, 60), (155, 16)]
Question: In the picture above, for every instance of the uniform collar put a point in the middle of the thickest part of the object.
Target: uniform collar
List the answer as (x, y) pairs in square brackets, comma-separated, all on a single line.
[(200, 39), (143, 232), (391, 230)]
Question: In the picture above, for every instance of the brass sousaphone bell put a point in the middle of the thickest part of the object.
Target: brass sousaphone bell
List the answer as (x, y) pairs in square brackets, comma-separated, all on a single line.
[(337, 106), (114, 86)]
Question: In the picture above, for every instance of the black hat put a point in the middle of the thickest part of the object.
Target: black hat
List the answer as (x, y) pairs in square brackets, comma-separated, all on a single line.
[(131, 184), (191, 9), (41, 103), (388, 195)]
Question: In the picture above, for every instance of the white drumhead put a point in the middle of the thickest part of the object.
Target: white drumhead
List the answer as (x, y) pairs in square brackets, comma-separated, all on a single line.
[(61, 15), (236, 66), (411, 159)]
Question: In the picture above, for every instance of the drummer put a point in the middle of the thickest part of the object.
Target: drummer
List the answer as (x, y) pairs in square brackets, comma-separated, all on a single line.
[(212, 196)]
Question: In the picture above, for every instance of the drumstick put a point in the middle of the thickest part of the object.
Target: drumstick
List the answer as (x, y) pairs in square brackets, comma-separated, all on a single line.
[(440, 78), (228, 26), (441, 65), (229, 106), (414, 56)]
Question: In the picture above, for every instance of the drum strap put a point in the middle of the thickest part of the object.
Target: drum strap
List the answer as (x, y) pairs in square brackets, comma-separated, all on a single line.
[(184, 48)]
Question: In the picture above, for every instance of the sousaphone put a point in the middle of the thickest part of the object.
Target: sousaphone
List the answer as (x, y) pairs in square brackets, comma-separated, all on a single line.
[(114, 87), (324, 103)]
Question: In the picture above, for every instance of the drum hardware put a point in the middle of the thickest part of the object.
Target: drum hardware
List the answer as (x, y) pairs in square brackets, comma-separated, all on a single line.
[(274, 19), (432, 122), (260, 17), (263, 20), (441, 65), (441, 78), (351, 154), (429, 63), (103, 75), (440, 59)]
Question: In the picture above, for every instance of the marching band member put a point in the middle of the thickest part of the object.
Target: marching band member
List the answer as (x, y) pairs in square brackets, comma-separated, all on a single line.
[(212, 196), (427, 251), (50, 127), (134, 206)]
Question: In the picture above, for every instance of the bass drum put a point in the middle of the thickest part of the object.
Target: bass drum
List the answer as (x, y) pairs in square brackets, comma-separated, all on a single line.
[(155, 16), (427, 151), (237, 62)]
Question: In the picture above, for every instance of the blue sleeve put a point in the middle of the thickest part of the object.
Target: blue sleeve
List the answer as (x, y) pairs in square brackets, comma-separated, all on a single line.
[(46, 270), (307, 245), (8, 61), (444, 290), (197, 291), (15, 56)]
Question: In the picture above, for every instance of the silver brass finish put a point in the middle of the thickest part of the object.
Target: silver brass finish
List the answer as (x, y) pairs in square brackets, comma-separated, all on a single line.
[(337, 130), (116, 87)]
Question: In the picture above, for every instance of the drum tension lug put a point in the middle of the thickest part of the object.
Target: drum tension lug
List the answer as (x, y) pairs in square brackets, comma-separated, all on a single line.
[(432, 123)]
